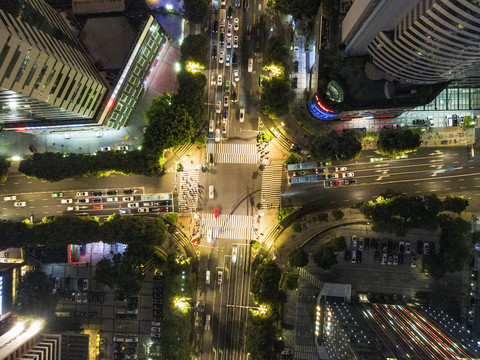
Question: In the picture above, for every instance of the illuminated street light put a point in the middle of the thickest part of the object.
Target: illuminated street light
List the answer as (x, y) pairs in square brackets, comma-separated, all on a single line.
[(15, 158), (177, 67), (193, 67)]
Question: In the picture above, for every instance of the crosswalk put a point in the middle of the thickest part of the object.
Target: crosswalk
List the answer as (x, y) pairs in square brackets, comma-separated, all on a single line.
[(310, 278), (239, 227), (271, 186), (188, 190), (271, 236), (305, 352), (233, 153)]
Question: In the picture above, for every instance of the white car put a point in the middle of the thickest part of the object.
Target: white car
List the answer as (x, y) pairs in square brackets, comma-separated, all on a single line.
[(219, 80), (20, 204), (209, 235), (133, 205), (211, 192), (220, 57), (235, 41), (235, 24), (123, 147), (343, 168), (211, 128), (234, 254), (110, 199), (274, 132), (236, 75), (213, 82), (242, 115), (10, 198), (217, 135), (350, 174), (219, 107), (229, 29), (144, 209), (82, 193), (128, 198), (219, 276), (229, 43), (224, 127), (227, 60), (207, 277), (70, 208), (66, 201), (106, 148), (225, 101)]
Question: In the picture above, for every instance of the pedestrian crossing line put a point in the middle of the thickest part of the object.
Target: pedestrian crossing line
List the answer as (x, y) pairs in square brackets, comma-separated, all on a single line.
[(188, 190), (272, 235), (310, 278), (183, 150), (233, 153), (271, 186), (306, 352), (238, 227)]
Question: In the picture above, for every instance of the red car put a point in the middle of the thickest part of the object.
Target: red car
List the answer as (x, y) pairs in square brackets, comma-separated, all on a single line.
[(334, 183), (97, 207), (216, 213)]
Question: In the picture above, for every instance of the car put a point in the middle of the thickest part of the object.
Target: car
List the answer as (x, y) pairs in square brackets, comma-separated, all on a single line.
[(334, 183), (354, 257), (218, 108), (354, 242), (237, 3), (211, 127), (413, 261), (85, 284), (207, 322), (234, 253), (229, 12), (57, 195), (390, 260), (123, 147), (211, 193), (227, 60), (66, 201), (97, 193), (217, 135), (125, 211), (106, 148), (295, 66), (225, 115), (236, 75), (359, 257), (128, 198), (97, 200), (426, 248), (213, 81), (216, 213), (71, 208), (384, 258), (214, 52), (401, 247), (229, 43), (347, 256), (343, 175), (9, 198), (143, 209), (224, 127), (222, 37), (82, 193), (219, 276), (225, 101), (248, 33), (376, 159), (209, 235), (110, 199), (19, 204), (235, 42), (377, 257), (350, 174), (97, 207), (219, 80), (112, 192), (211, 160), (215, 26), (133, 205), (338, 169), (241, 116), (221, 56), (234, 96), (229, 29), (361, 242), (400, 259), (407, 247), (156, 329), (227, 86), (207, 277), (332, 176), (79, 296), (234, 59), (395, 259), (274, 132), (235, 24)]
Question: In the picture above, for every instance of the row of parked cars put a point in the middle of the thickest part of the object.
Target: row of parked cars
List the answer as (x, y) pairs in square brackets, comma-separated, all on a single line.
[(157, 312), (125, 347)]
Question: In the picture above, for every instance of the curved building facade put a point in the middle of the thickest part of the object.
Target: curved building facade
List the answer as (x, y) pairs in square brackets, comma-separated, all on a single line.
[(437, 41)]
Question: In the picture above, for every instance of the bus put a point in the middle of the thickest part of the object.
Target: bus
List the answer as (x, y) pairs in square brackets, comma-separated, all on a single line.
[(250, 65), (303, 166), (215, 6), (305, 179), (63, 313)]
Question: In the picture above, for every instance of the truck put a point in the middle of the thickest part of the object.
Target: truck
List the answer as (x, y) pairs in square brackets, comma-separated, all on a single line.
[(303, 166), (223, 16), (215, 6)]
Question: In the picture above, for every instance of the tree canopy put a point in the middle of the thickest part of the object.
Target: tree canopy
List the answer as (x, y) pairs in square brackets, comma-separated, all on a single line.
[(4, 166), (195, 48), (277, 54), (195, 10), (336, 146), (191, 95), (455, 204), (298, 258), (35, 298), (265, 282), (299, 9), (395, 142), (260, 339), (277, 95), (325, 257)]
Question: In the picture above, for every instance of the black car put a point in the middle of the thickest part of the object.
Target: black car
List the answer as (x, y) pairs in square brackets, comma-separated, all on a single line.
[(400, 259), (97, 200), (347, 256), (32, 149), (97, 193), (229, 12), (295, 66), (234, 96), (222, 38), (112, 192), (128, 191), (215, 26), (214, 51), (359, 257), (234, 58), (294, 82), (419, 247)]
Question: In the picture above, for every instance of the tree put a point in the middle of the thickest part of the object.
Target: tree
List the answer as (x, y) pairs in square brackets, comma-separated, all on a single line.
[(4, 166), (290, 281), (336, 146), (260, 338), (169, 125), (299, 9), (298, 258), (340, 243), (265, 282), (455, 204), (325, 257), (394, 142), (277, 95), (195, 10), (292, 159), (191, 95), (195, 48), (35, 298), (337, 214), (277, 55), (296, 227)]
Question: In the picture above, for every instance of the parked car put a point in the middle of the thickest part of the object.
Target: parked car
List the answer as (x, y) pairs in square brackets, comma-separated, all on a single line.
[(66, 201), (19, 204), (128, 198), (9, 198), (82, 193), (57, 195)]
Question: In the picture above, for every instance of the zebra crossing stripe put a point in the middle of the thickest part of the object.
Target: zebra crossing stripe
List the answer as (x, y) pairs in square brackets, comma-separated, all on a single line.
[(233, 153), (271, 186), (229, 226), (306, 352)]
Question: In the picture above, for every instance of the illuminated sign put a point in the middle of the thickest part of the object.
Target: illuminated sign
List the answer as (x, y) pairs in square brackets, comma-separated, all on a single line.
[(319, 110)]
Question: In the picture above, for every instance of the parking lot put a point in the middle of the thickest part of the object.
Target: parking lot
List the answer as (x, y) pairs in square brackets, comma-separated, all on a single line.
[(368, 275)]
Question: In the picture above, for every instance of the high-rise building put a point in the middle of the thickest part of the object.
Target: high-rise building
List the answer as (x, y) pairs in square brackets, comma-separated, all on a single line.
[(46, 77), (416, 41)]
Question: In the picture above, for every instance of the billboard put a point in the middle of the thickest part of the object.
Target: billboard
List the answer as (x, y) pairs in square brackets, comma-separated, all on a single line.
[(319, 110)]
